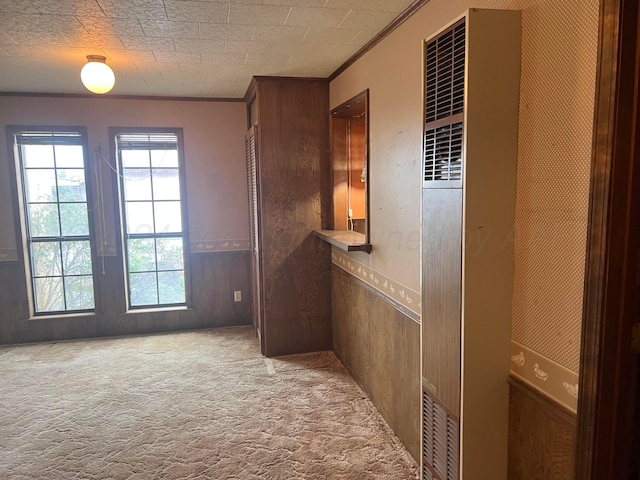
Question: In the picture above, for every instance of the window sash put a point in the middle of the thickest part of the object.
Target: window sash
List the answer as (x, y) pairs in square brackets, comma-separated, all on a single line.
[(66, 297), (154, 296)]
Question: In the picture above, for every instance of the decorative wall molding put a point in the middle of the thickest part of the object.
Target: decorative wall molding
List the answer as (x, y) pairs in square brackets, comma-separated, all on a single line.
[(388, 287), (220, 246), (552, 379)]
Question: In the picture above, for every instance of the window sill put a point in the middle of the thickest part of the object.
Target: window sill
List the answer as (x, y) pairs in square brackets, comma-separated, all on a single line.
[(346, 240), (136, 311), (60, 316)]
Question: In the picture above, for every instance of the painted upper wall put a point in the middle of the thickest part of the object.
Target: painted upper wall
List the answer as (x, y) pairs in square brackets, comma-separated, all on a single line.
[(214, 160), (559, 54)]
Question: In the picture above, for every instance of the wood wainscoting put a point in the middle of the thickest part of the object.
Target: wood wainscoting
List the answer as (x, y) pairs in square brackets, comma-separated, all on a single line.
[(214, 278), (541, 435), (380, 346)]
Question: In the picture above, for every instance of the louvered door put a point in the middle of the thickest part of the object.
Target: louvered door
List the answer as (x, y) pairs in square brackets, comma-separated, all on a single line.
[(254, 216)]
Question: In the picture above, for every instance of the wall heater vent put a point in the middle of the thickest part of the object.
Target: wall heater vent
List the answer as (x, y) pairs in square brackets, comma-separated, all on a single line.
[(444, 74), (443, 153), (444, 107), (440, 437)]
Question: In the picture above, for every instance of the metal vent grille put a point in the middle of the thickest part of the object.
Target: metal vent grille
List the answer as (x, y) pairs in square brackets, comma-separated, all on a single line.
[(440, 439), (444, 108), (443, 153), (426, 473), (444, 74)]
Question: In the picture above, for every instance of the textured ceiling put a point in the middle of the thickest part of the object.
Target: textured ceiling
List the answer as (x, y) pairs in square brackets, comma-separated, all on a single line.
[(181, 47)]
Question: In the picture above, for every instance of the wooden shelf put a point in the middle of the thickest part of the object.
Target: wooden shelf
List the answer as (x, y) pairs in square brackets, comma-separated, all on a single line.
[(346, 240)]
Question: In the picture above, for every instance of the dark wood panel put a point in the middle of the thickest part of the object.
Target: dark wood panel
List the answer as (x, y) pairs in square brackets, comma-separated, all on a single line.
[(294, 184), (608, 365), (214, 277), (380, 346), (441, 297), (541, 436), (218, 276)]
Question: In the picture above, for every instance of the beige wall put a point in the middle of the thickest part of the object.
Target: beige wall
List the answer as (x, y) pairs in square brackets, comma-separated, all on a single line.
[(214, 160), (557, 89)]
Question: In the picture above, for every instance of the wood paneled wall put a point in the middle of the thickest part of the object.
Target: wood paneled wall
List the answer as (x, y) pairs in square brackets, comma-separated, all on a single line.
[(293, 157), (214, 277), (380, 346), (541, 436)]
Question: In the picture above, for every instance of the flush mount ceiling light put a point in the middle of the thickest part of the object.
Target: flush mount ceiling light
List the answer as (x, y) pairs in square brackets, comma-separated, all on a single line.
[(96, 75)]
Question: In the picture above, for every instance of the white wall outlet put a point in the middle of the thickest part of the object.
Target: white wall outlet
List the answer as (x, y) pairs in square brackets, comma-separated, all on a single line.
[(237, 295), (350, 212)]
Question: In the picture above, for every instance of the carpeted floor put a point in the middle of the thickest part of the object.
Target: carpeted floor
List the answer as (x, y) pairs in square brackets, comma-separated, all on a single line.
[(191, 405)]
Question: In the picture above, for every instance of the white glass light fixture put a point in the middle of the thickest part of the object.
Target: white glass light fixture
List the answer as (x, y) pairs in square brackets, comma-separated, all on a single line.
[(96, 75)]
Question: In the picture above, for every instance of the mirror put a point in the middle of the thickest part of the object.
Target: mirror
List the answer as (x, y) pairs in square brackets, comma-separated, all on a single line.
[(349, 162)]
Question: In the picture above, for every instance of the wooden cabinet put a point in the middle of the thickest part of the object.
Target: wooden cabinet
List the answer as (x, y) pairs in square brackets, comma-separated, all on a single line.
[(288, 179), (472, 79)]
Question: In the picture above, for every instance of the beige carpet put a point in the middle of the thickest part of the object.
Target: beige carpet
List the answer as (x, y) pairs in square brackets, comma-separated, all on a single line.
[(192, 405)]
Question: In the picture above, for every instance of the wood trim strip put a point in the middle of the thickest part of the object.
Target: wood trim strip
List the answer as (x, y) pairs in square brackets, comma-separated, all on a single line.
[(119, 97), (608, 370), (399, 20), (403, 298), (540, 397), (407, 313)]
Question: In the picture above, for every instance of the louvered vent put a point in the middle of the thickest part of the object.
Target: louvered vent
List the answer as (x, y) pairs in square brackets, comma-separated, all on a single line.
[(443, 153), (252, 184), (444, 107), (444, 74), (440, 438)]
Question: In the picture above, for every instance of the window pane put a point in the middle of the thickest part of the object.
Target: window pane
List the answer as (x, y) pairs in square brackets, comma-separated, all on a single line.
[(142, 255), (170, 254), (71, 187), (69, 156), (166, 184), (38, 156), (143, 288), (139, 217), (41, 185), (168, 217), (171, 287), (43, 220), (79, 292), (45, 259), (49, 294), (164, 158), (73, 217), (76, 257), (137, 184), (135, 158)]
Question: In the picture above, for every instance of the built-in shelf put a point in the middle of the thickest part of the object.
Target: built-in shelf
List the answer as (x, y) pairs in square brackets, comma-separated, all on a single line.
[(346, 240)]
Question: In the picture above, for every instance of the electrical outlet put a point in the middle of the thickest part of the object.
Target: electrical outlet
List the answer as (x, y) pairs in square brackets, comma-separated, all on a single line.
[(350, 212), (237, 295)]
